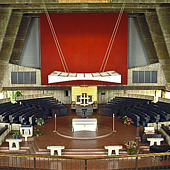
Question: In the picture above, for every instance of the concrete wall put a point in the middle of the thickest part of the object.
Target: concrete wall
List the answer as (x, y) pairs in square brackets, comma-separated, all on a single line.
[(106, 95), (58, 94), (103, 95), (5, 100), (30, 94), (16, 68), (30, 56), (152, 67), (165, 100), (137, 54)]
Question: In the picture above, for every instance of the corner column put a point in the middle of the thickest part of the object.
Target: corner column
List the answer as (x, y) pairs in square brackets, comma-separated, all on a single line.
[(159, 42)]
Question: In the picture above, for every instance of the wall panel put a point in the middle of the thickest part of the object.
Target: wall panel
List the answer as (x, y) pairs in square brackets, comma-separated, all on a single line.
[(84, 38)]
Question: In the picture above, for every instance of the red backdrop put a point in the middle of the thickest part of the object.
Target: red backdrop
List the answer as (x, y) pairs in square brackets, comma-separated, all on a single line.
[(84, 38)]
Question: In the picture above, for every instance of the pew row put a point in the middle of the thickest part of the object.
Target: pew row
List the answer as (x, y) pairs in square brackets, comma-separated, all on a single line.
[(166, 132)]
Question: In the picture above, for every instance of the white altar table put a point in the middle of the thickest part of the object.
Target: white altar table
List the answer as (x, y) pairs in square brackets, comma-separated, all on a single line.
[(84, 124)]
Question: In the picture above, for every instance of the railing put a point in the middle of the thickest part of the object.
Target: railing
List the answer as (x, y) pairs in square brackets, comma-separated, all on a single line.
[(130, 162)]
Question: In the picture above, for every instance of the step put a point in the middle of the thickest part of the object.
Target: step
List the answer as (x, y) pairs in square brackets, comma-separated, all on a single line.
[(84, 152), (22, 150), (80, 152), (88, 152), (14, 151), (77, 155), (32, 148)]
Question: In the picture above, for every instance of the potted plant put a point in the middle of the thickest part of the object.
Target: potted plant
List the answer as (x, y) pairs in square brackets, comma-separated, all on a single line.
[(130, 147), (37, 132), (18, 93), (123, 118), (17, 135), (39, 121), (127, 120)]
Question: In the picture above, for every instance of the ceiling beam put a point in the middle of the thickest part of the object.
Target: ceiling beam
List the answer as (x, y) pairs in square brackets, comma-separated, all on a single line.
[(82, 7), (112, 1)]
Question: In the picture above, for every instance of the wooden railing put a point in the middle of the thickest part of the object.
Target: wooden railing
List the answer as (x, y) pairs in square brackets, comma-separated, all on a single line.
[(133, 162)]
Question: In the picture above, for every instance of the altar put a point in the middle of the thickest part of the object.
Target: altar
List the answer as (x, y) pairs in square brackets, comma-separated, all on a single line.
[(84, 124)]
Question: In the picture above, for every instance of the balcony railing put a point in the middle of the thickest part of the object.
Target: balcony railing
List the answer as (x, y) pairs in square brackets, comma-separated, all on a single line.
[(128, 162)]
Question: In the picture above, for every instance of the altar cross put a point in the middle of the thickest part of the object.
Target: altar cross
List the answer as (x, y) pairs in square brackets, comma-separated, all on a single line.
[(84, 99)]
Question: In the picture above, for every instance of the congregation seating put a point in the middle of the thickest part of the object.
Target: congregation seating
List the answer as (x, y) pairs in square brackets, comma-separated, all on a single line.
[(25, 111), (118, 103), (142, 111), (165, 128), (162, 108), (145, 118), (163, 115), (153, 116), (49, 105), (14, 118), (160, 149), (3, 133), (25, 117), (8, 110), (2, 130), (166, 132), (30, 115)]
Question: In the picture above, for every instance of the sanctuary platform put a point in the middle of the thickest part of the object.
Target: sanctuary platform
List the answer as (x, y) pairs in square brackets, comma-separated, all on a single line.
[(83, 143)]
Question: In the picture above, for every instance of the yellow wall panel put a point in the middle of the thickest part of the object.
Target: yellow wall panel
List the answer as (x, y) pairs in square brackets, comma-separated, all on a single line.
[(90, 90)]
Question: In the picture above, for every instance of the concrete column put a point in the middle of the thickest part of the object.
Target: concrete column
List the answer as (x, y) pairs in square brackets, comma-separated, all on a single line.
[(9, 40), (20, 39), (0, 87), (153, 58), (4, 20), (164, 20), (159, 42)]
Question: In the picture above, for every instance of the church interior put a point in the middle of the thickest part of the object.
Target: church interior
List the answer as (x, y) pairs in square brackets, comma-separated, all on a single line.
[(84, 84)]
